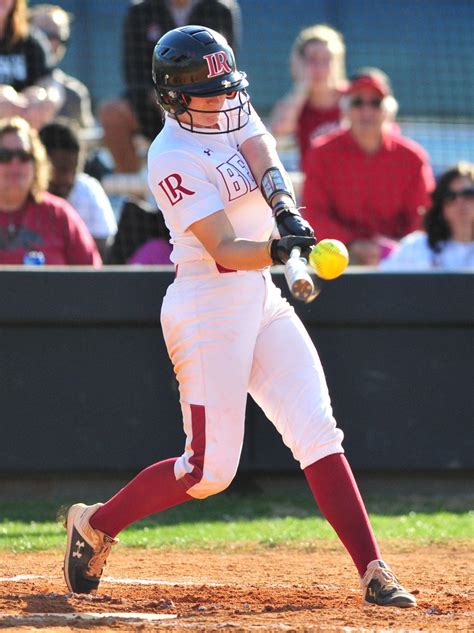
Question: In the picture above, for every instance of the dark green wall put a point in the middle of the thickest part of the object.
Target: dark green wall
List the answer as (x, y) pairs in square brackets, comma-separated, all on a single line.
[(86, 384)]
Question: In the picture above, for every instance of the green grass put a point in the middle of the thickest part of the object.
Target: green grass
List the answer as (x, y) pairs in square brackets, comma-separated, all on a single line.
[(232, 520)]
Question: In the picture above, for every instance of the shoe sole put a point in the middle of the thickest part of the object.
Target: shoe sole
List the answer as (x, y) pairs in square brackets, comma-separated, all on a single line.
[(399, 605)]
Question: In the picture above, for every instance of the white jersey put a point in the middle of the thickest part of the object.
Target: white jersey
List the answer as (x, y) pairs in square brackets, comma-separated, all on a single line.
[(194, 175)]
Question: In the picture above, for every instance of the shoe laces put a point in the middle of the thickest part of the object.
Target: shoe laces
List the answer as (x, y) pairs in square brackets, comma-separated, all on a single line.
[(98, 560), (387, 577)]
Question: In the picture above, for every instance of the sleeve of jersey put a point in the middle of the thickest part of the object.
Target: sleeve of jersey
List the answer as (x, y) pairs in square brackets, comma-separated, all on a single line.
[(254, 127), (182, 189)]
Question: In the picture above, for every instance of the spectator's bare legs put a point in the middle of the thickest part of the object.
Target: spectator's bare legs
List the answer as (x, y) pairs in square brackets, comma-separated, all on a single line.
[(120, 125)]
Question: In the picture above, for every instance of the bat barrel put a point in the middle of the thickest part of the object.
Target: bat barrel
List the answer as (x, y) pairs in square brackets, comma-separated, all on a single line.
[(298, 278)]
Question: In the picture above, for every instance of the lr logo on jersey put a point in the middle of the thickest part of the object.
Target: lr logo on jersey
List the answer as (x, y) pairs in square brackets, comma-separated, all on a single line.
[(237, 177), (174, 189), (217, 64)]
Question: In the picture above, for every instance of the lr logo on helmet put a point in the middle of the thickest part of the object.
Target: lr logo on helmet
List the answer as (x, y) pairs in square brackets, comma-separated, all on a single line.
[(217, 64)]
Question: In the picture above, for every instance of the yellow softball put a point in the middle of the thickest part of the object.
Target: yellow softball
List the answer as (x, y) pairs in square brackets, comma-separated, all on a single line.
[(329, 258)]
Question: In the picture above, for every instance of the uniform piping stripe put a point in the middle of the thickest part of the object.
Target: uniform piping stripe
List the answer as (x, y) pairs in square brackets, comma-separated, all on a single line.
[(221, 269), (198, 445)]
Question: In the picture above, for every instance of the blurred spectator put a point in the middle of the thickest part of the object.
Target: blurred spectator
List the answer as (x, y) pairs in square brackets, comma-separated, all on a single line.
[(55, 23), (137, 111), (67, 180), (31, 219), (448, 240), (318, 69), (27, 88), (142, 236), (366, 185)]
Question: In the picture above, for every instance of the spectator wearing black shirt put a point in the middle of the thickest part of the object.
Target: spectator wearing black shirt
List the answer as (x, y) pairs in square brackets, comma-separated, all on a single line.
[(55, 24), (137, 111), (27, 88), (141, 226)]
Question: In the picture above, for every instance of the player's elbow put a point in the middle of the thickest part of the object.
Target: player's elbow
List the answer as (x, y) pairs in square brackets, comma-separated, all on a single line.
[(223, 253)]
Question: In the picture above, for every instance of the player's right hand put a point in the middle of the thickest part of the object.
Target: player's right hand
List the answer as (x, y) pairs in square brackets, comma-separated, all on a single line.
[(280, 250)]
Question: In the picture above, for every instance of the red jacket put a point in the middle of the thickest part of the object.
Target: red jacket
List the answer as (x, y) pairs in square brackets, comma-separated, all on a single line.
[(349, 194)]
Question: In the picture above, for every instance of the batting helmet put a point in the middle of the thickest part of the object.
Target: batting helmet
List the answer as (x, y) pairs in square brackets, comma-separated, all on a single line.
[(197, 61)]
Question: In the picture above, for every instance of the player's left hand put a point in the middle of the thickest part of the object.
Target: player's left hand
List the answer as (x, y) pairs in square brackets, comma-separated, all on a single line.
[(280, 250), (289, 221)]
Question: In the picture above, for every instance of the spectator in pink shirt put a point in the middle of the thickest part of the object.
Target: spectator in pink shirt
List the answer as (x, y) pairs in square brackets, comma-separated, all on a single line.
[(31, 219)]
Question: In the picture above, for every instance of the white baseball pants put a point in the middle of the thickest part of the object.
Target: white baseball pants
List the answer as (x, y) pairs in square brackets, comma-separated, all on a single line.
[(229, 334)]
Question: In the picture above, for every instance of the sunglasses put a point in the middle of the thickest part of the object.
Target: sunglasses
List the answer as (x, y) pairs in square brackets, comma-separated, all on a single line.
[(467, 194), (7, 155), (358, 102)]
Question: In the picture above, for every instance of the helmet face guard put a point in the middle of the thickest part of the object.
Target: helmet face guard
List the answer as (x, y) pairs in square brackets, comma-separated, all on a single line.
[(233, 118), (194, 61)]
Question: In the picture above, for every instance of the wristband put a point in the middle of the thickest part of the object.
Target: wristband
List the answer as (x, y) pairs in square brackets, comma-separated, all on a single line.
[(275, 181), (280, 207), (273, 251)]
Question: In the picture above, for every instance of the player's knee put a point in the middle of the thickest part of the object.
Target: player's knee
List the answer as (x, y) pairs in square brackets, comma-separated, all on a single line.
[(207, 489), (211, 483), (317, 440)]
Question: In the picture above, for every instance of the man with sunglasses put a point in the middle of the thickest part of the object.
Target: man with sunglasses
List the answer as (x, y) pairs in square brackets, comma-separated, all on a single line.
[(366, 184), (55, 24)]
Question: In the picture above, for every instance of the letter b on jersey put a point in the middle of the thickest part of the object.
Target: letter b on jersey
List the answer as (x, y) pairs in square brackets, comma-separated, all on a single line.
[(237, 177)]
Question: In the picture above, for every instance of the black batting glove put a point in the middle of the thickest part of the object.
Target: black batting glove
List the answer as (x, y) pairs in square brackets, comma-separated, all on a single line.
[(280, 250), (289, 221)]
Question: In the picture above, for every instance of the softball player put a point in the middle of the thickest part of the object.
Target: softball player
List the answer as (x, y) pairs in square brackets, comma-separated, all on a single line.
[(215, 174)]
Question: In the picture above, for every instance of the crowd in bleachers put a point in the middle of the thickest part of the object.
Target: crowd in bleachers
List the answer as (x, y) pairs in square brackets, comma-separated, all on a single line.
[(364, 182)]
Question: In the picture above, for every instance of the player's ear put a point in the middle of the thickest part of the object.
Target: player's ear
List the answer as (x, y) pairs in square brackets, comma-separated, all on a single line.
[(175, 102)]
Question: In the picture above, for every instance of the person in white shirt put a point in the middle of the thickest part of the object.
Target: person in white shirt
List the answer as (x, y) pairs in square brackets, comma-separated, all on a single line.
[(447, 243), (224, 194), (83, 192)]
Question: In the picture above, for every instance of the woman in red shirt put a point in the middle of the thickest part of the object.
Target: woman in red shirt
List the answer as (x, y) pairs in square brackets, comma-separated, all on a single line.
[(318, 68), (31, 219)]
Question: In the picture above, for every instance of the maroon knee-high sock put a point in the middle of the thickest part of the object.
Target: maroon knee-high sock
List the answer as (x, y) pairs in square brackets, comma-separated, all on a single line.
[(152, 490), (337, 495)]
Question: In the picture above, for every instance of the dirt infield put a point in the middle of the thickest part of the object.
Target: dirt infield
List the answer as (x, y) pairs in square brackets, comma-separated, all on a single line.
[(276, 589)]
